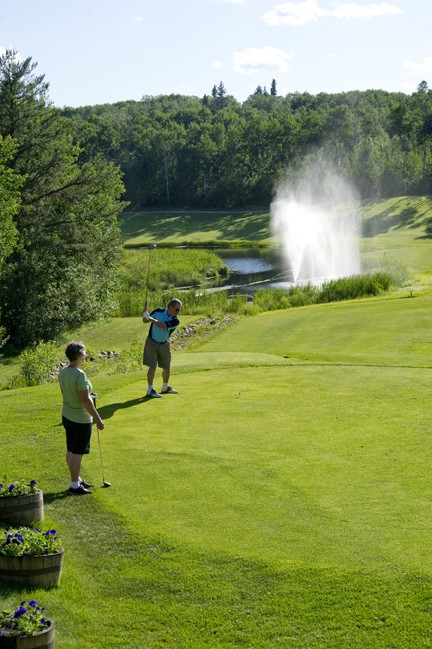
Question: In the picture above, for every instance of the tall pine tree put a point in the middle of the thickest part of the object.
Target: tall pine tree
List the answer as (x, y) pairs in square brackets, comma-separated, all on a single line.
[(61, 271)]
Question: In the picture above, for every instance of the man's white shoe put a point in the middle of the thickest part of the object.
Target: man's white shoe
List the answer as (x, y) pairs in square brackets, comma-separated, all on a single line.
[(169, 390), (153, 394)]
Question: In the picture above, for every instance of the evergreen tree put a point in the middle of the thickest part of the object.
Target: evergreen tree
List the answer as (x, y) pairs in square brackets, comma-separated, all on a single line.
[(221, 91), (61, 271), (10, 183), (273, 91)]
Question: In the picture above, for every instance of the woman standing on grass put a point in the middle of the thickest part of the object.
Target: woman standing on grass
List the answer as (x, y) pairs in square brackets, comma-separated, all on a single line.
[(78, 413)]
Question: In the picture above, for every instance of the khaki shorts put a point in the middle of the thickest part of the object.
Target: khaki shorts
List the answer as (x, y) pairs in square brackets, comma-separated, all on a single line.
[(157, 354)]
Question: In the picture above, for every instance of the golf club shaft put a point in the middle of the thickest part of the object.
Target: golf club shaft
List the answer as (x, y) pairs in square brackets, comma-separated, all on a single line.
[(100, 454), (152, 247)]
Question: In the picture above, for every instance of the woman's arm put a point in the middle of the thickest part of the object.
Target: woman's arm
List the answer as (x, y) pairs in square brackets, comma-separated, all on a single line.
[(88, 404)]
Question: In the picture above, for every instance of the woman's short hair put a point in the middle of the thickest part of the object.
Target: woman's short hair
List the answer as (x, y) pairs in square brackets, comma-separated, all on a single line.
[(74, 350)]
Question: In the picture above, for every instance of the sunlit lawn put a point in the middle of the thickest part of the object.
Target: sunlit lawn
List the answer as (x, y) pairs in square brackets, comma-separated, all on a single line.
[(281, 499), (269, 503)]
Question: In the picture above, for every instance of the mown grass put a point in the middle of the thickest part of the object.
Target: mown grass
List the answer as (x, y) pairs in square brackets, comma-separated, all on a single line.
[(233, 229), (399, 229), (402, 219), (281, 499), (280, 505)]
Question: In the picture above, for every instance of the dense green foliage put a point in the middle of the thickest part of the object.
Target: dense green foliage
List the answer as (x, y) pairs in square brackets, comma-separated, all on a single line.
[(216, 152), (37, 363), (61, 247), (62, 173), (162, 270), (9, 199)]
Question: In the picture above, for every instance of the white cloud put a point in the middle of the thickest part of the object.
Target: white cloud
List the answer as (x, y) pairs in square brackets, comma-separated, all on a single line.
[(300, 13), (216, 65), (417, 67), (353, 11), (137, 19), (293, 14), (267, 58)]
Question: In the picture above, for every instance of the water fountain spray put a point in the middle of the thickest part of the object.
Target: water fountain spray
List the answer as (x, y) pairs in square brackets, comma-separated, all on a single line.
[(319, 239)]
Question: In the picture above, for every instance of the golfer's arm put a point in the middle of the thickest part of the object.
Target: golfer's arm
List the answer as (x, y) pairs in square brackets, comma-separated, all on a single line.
[(156, 323), (89, 405)]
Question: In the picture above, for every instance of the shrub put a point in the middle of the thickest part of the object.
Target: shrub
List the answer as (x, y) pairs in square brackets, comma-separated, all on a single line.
[(303, 295), (398, 272), (271, 299), (348, 288), (249, 308), (36, 364)]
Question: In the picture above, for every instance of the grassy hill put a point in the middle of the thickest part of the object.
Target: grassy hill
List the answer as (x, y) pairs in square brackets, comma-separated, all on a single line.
[(281, 499), (399, 227)]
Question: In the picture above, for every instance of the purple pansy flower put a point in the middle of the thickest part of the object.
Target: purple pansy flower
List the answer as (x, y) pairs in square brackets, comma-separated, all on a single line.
[(20, 611)]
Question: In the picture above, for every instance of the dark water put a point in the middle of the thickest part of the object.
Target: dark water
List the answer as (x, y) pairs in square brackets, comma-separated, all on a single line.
[(251, 269)]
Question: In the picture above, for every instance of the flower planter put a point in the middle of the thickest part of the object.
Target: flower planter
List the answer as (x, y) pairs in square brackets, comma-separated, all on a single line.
[(42, 570), (43, 640), (22, 510)]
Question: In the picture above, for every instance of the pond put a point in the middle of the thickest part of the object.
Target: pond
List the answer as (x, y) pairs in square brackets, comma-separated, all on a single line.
[(251, 269)]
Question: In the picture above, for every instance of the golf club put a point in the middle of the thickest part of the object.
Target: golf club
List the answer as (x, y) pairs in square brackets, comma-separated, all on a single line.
[(104, 482), (151, 247)]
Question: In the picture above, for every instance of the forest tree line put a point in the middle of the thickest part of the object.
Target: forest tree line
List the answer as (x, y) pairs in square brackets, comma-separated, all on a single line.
[(181, 151), (66, 175)]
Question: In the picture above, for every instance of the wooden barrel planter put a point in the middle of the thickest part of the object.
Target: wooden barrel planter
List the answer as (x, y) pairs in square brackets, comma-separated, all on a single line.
[(22, 510), (42, 570), (43, 640)]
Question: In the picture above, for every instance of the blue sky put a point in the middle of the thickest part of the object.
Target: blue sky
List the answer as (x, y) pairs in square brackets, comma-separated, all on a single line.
[(103, 51)]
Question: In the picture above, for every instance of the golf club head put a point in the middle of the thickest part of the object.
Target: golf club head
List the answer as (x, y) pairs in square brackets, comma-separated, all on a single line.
[(106, 484)]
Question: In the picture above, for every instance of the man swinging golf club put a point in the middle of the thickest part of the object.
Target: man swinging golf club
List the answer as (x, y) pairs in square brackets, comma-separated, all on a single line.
[(157, 350)]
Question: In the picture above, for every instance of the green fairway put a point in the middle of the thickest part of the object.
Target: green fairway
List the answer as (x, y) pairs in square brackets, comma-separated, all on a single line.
[(392, 330), (281, 499), (194, 227), (248, 506)]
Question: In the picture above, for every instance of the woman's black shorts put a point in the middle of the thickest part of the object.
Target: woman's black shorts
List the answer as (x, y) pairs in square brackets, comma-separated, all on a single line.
[(77, 436)]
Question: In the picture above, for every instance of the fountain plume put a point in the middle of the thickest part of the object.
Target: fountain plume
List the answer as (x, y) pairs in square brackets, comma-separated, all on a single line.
[(315, 219)]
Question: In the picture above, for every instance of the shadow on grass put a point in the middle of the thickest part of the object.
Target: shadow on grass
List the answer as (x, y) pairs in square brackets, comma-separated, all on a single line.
[(229, 224), (107, 411), (52, 496), (400, 215)]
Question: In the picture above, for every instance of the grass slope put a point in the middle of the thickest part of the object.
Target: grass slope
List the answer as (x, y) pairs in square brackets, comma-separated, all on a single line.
[(279, 505), (393, 330), (267, 504), (399, 227), (194, 227), (281, 499)]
